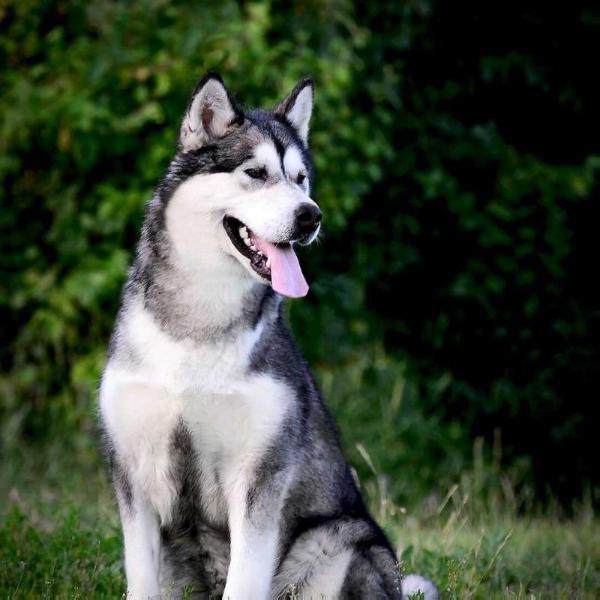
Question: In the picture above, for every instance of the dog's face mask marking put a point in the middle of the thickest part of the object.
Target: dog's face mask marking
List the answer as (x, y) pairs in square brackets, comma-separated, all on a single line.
[(244, 185)]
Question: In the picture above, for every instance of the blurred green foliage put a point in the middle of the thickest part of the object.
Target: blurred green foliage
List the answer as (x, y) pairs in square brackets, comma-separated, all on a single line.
[(457, 159)]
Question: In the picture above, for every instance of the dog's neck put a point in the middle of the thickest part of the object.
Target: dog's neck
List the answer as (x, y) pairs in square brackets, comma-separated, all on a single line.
[(205, 299)]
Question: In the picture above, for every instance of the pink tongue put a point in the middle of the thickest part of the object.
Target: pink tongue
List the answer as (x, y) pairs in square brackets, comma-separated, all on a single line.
[(286, 275)]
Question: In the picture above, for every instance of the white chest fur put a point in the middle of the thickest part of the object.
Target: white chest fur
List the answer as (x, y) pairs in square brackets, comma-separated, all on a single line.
[(231, 415)]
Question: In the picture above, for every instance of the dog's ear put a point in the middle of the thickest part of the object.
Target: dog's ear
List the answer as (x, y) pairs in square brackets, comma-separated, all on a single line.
[(211, 114), (297, 107)]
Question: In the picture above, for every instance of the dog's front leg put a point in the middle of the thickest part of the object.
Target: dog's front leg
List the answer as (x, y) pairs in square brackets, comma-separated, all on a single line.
[(142, 546), (253, 526)]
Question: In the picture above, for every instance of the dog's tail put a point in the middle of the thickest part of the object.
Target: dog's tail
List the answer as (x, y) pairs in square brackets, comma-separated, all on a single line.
[(413, 584)]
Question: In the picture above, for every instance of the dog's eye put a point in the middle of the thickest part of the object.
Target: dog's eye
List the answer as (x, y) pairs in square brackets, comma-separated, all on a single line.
[(300, 179), (260, 173)]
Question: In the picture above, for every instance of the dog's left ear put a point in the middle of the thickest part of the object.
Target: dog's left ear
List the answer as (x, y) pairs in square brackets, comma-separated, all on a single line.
[(297, 107), (211, 114)]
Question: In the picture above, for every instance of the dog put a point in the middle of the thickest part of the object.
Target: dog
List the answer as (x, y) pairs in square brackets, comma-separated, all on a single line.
[(226, 463)]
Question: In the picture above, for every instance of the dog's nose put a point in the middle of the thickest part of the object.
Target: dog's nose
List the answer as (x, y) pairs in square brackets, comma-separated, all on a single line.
[(308, 216)]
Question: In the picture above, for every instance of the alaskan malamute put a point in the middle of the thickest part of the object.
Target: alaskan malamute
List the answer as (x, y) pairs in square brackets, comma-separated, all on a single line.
[(226, 463)]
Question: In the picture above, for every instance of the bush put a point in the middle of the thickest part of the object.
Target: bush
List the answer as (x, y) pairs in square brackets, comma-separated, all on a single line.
[(457, 168)]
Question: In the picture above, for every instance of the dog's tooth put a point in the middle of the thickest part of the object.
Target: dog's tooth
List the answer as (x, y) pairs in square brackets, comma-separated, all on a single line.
[(243, 233), (268, 263), (252, 247), (247, 241)]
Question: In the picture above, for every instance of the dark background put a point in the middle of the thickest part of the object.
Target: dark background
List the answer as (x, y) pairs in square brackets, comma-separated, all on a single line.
[(454, 295)]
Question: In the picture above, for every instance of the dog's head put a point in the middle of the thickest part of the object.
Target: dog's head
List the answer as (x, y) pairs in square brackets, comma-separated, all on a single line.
[(240, 186)]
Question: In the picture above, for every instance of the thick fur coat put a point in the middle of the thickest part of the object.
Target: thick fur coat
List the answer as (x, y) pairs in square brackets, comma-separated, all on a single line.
[(227, 467)]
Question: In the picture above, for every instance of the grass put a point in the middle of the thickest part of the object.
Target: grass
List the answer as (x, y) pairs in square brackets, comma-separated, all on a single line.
[(60, 537), (470, 556)]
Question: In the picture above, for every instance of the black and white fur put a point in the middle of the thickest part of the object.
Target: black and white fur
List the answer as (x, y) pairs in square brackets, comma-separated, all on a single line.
[(226, 463)]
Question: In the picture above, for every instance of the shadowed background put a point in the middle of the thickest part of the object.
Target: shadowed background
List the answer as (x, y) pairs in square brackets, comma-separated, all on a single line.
[(453, 302)]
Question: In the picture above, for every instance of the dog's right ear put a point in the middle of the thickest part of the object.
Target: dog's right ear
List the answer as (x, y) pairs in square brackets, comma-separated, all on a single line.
[(211, 114)]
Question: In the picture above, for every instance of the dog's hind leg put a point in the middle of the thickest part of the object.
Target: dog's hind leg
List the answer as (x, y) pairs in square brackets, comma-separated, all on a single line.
[(372, 575), (310, 572), (341, 559)]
